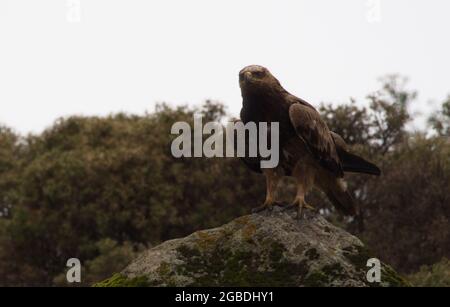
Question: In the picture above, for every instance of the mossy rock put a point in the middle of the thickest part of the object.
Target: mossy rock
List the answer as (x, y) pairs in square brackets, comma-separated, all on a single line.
[(258, 250)]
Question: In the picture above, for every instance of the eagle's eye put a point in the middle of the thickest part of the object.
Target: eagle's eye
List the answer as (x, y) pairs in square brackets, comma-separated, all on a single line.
[(258, 74)]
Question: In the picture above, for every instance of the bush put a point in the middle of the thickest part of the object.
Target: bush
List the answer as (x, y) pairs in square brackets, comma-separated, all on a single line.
[(436, 275)]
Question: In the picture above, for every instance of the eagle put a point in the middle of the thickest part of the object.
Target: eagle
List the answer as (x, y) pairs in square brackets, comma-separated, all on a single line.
[(309, 151)]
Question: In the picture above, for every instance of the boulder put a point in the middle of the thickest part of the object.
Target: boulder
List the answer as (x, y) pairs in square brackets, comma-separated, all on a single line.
[(266, 249)]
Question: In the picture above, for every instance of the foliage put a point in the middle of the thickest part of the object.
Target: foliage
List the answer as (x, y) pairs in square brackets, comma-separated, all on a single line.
[(436, 275), (440, 120), (87, 179), (405, 209)]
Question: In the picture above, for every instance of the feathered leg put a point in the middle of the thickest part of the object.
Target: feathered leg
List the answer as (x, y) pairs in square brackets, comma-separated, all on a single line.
[(272, 180), (305, 181)]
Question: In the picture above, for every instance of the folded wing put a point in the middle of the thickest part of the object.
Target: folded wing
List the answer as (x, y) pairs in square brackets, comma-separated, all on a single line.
[(317, 137)]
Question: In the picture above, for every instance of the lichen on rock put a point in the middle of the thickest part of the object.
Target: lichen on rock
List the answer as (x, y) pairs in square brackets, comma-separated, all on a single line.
[(268, 249)]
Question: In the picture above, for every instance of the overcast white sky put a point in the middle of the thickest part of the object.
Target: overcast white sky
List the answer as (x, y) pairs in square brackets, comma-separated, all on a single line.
[(126, 55)]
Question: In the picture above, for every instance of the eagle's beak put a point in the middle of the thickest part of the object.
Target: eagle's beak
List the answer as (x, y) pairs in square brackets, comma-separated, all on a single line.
[(245, 76)]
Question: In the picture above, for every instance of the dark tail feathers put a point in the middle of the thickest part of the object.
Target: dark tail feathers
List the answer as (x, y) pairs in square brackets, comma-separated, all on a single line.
[(343, 201), (354, 164)]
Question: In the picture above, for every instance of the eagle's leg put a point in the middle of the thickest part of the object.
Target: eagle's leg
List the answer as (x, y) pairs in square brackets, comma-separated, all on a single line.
[(300, 203), (305, 181), (272, 179)]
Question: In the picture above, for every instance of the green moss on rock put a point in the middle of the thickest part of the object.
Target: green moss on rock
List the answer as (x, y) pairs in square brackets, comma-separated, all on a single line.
[(119, 280), (240, 268), (391, 277), (358, 256), (316, 279), (325, 276)]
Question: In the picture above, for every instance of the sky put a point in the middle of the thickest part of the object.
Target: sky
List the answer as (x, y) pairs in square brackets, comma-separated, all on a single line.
[(96, 57)]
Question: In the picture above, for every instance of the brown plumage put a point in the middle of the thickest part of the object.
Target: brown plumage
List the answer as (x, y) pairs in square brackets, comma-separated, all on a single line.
[(309, 151)]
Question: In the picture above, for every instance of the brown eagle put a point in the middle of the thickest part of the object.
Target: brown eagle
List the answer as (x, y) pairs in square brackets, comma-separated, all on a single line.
[(309, 151)]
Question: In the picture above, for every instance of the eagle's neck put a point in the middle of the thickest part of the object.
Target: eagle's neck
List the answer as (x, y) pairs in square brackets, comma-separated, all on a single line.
[(264, 98), (269, 105)]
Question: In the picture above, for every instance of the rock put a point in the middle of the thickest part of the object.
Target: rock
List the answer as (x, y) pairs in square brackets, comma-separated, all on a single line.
[(267, 249)]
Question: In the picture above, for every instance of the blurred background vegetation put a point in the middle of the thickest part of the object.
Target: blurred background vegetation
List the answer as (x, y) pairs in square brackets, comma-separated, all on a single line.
[(104, 188)]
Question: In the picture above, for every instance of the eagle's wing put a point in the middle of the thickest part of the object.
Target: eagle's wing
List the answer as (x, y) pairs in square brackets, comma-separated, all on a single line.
[(338, 141), (315, 134)]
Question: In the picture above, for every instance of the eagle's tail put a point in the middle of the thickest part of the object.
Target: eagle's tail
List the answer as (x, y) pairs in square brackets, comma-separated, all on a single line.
[(355, 164), (342, 199)]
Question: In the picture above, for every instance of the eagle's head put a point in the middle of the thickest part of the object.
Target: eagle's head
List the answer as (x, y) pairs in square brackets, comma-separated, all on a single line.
[(257, 78)]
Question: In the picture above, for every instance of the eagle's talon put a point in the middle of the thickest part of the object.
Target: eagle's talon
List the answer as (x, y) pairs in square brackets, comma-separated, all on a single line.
[(308, 206)]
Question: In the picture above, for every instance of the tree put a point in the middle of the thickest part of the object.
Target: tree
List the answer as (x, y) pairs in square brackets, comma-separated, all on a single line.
[(9, 163), (405, 209), (87, 179), (440, 121)]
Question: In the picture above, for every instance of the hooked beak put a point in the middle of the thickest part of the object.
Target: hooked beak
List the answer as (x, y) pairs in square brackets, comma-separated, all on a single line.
[(245, 76)]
